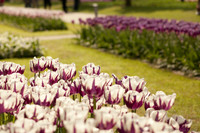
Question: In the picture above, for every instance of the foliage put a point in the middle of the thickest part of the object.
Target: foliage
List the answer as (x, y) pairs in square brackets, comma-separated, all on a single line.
[(167, 49), (13, 46), (32, 24)]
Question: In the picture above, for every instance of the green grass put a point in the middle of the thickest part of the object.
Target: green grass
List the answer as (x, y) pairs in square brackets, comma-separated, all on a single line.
[(166, 9), (187, 89), (71, 29)]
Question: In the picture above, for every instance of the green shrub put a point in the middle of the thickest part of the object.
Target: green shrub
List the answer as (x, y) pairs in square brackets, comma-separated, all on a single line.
[(18, 47), (168, 50), (33, 24)]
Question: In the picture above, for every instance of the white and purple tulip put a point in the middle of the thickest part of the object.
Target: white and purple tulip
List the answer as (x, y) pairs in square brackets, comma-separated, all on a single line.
[(52, 64), (157, 115), (160, 101), (106, 118), (113, 94), (134, 99), (67, 72), (91, 69), (180, 123), (38, 64)]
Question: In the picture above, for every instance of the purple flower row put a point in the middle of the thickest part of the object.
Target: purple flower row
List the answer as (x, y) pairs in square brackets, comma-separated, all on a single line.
[(157, 25), (53, 108)]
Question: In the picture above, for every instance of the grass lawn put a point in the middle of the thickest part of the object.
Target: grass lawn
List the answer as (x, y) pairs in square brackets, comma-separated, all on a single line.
[(71, 29), (187, 90), (166, 9)]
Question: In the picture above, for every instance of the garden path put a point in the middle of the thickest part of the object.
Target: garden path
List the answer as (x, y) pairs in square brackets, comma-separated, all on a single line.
[(57, 37)]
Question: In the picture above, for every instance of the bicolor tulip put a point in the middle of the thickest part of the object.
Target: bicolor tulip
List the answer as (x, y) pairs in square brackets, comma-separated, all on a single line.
[(113, 94)]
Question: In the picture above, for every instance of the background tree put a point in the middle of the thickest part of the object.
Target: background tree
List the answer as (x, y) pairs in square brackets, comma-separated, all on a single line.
[(76, 4), (198, 7), (128, 3)]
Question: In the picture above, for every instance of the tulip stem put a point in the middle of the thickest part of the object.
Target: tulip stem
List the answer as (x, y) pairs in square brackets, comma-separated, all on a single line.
[(2, 119), (34, 76), (94, 106), (79, 98), (133, 110)]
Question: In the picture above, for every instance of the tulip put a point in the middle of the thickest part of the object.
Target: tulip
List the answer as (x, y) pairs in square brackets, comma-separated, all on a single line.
[(91, 69), (106, 118), (67, 72), (52, 76), (133, 83), (113, 94), (134, 99), (94, 86), (180, 123), (52, 64), (42, 96), (10, 101), (17, 86), (10, 68), (160, 101), (90, 103), (24, 126), (38, 64), (76, 87), (34, 112), (157, 115), (122, 109), (39, 81), (132, 123), (78, 127), (37, 113)]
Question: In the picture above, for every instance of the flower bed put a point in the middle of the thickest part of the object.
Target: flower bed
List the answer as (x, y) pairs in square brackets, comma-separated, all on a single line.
[(45, 105), (158, 41), (32, 19), (12, 46)]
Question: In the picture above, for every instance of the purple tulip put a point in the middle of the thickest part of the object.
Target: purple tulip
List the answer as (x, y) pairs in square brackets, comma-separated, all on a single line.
[(91, 69), (38, 64), (113, 94), (67, 72), (134, 99), (106, 118), (160, 101)]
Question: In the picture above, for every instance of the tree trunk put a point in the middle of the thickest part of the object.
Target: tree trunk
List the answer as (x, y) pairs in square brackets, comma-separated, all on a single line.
[(198, 7), (128, 3), (76, 4)]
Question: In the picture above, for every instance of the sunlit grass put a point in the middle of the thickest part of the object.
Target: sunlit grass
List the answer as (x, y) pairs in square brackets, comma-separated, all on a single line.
[(71, 29), (187, 89)]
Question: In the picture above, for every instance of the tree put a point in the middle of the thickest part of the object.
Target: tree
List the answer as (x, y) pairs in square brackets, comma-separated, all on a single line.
[(128, 3), (198, 7), (76, 4)]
